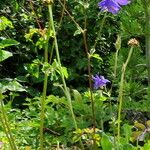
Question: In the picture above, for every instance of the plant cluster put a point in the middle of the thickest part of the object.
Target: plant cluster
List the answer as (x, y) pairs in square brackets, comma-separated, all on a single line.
[(75, 75)]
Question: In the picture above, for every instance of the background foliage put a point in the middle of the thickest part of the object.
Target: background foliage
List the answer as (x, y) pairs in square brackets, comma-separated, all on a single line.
[(22, 71)]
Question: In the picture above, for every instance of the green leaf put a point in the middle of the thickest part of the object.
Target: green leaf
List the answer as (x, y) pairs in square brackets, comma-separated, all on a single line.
[(29, 35), (4, 55), (15, 86), (103, 98), (33, 92), (96, 56), (12, 85), (84, 4), (33, 68), (7, 42), (77, 32), (48, 69), (64, 71), (147, 146), (4, 22), (77, 96), (128, 147), (55, 100), (106, 142), (127, 132), (41, 43)]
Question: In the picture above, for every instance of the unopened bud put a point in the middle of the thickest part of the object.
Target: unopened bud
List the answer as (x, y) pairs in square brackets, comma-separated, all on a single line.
[(118, 42)]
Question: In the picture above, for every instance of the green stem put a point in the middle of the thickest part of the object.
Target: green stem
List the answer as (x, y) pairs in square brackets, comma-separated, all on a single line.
[(66, 90), (71, 17), (89, 69), (120, 97), (59, 62), (59, 25), (147, 38), (6, 132), (100, 30), (90, 79), (116, 63), (6, 126), (42, 113)]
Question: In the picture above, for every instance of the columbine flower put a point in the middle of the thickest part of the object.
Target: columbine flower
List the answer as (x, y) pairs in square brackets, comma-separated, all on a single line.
[(112, 6), (99, 81)]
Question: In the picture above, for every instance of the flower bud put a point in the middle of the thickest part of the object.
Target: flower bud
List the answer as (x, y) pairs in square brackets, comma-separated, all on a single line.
[(133, 42)]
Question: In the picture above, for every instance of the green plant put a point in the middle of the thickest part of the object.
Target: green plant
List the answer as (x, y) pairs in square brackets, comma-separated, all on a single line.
[(49, 54)]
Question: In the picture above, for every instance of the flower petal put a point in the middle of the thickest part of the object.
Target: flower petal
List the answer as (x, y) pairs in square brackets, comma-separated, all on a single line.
[(109, 5), (99, 81), (122, 2)]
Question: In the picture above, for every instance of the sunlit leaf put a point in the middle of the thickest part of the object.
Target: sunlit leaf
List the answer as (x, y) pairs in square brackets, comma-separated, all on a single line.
[(64, 71), (106, 142), (77, 95), (127, 131), (29, 35), (85, 4), (96, 56), (4, 23), (15, 86), (7, 42), (147, 145), (4, 55), (11, 85)]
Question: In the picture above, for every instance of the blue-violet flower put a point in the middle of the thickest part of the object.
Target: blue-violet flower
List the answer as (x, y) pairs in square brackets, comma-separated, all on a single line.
[(112, 6), (99, 81)]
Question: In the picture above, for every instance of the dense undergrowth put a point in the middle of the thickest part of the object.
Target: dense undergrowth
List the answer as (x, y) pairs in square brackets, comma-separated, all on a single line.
[(54, 56)]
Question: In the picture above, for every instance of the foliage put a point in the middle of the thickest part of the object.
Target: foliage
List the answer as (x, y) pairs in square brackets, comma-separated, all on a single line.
[(40, 83)]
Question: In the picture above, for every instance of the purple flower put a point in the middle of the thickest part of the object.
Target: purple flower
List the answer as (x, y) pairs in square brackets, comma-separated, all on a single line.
[(99, 81), (122, 2), (112, 6)]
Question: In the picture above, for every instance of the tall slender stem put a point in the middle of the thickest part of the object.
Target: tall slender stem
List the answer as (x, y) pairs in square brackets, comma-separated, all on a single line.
[(59, 62), (59, 25), (66, 90), (84, 33), (100, 30), (90, 80), (120, 97), (147, 38), (118, 46), (6, 132), (6, 126), (42, 115), (89, 68)]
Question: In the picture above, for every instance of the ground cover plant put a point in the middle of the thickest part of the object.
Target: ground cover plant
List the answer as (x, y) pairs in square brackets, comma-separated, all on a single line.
[(75, 75)]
